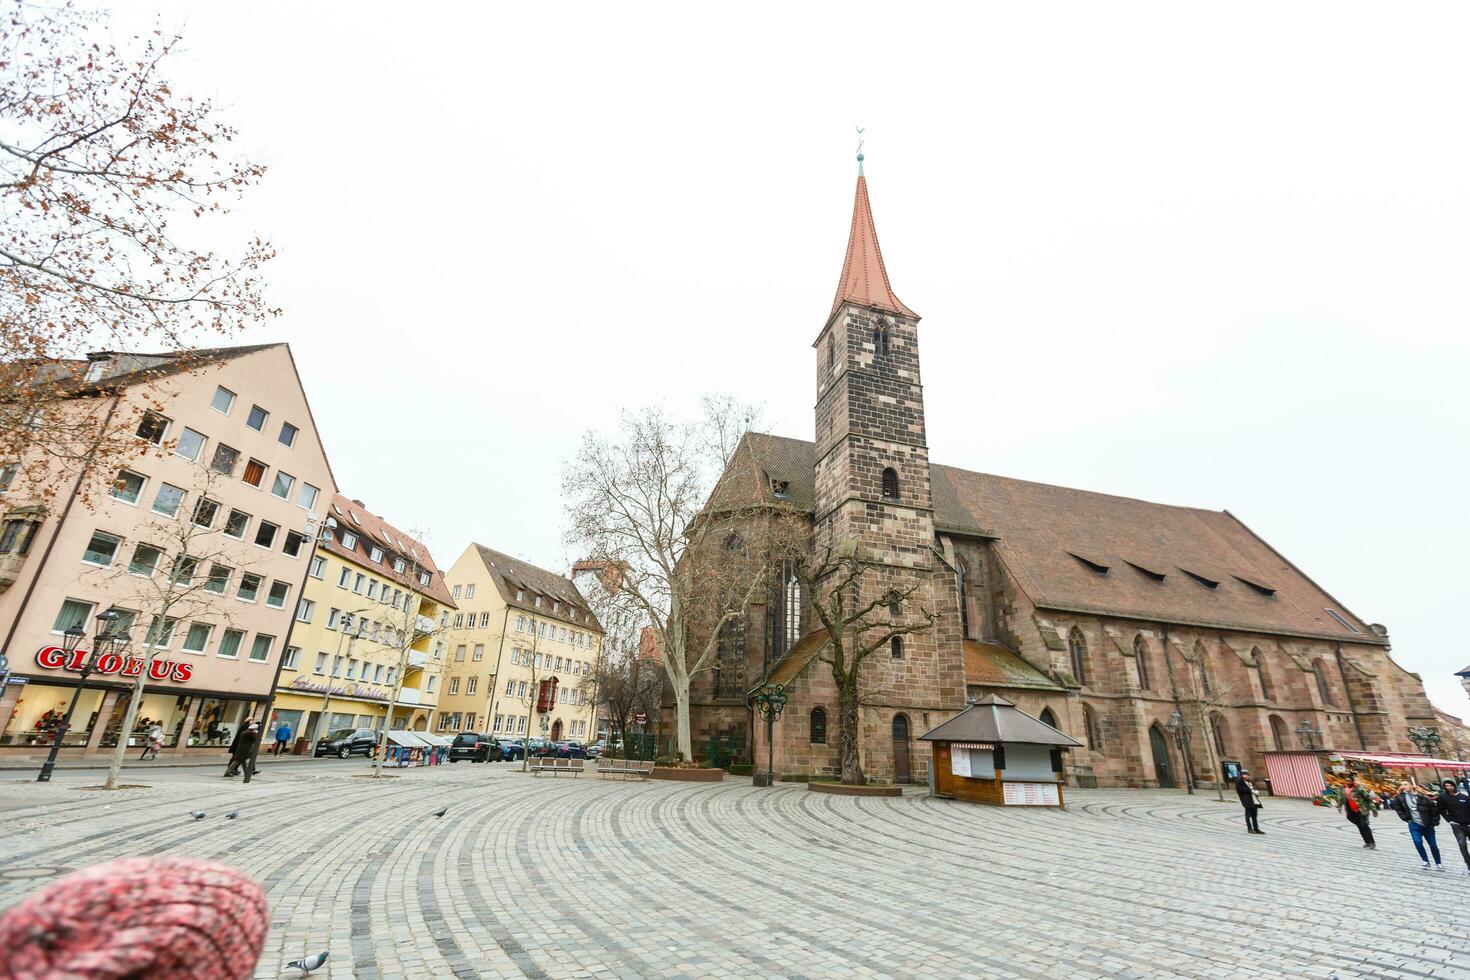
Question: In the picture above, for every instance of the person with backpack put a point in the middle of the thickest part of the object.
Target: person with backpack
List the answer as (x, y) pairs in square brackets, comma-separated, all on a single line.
[(1358, 805), (1453, 805), (1421, 812)]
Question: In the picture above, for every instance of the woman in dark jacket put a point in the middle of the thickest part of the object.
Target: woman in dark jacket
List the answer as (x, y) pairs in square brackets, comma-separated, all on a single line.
[(1250, 800), (1421, 812)]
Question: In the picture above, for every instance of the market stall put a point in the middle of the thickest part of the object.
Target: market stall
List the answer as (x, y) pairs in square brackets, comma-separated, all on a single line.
[(993, 752)]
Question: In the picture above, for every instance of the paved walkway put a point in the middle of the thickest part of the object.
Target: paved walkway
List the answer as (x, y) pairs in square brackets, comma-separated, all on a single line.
[(551, 877)]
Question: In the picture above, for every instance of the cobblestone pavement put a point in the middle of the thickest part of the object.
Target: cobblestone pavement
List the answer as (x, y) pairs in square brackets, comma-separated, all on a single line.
[(551, 877)]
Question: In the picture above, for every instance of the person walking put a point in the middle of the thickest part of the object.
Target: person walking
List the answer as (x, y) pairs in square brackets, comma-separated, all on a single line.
[(1358, 805), (242, 747), (155, 741), (1421, 813), (283, 735), (1250, 800), (1453, 805)]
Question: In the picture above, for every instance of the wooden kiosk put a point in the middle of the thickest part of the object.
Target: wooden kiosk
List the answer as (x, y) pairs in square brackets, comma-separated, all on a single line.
[(993, 752)]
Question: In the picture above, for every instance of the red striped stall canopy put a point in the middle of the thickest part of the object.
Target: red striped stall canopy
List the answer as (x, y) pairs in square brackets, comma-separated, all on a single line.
[(1392, 761), (1295, 773)]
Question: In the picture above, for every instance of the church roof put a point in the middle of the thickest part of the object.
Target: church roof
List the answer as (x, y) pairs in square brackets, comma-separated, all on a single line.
[(864, 280), (1087, 552), (992, 665)]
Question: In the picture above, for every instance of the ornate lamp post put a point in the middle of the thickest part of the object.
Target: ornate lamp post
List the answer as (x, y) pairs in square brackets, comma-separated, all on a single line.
[(105, 642), (770, 700), (1309, 735), (1179, 729)]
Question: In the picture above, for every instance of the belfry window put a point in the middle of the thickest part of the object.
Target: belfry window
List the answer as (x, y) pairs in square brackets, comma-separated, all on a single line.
[(890, 484), (880, 339)]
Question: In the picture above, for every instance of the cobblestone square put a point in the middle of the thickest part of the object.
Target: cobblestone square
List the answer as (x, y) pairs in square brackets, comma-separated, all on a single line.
[(558, 877)]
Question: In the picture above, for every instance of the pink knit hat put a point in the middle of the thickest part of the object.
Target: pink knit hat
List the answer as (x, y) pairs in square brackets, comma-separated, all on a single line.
[(153, 918)]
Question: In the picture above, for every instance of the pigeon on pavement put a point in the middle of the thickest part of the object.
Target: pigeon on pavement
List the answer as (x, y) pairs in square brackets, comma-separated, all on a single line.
[(309, 963), (197, 814), (232, 814), (442, 812)]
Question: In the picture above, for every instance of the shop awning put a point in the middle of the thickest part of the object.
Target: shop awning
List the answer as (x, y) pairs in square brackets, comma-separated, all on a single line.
[(410, 739), (1393, 761)]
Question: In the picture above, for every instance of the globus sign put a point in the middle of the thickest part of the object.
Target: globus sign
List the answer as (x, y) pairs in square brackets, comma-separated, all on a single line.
[(55, 658)]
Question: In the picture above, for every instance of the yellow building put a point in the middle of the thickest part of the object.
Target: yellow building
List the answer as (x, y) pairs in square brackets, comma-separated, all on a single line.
[(521, 645), (371, 611)]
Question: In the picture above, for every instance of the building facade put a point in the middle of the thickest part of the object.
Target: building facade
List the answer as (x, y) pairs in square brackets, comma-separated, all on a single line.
[(199, 543), (1135, 627), (522, 645), (368, 631)]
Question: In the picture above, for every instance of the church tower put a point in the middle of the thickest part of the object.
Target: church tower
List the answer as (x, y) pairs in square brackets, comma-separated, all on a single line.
[(872, 488)]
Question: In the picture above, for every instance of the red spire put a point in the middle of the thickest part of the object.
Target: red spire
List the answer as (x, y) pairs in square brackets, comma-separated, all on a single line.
[(864, 280)]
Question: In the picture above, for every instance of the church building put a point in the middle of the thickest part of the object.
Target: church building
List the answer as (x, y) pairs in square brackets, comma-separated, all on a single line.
[(1170, 641)]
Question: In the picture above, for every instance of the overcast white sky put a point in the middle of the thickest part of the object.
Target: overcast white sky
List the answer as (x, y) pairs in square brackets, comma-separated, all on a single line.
[(1212, 256)]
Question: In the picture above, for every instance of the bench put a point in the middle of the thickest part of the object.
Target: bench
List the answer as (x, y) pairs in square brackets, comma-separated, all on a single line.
[(628, 768), (554, 765)]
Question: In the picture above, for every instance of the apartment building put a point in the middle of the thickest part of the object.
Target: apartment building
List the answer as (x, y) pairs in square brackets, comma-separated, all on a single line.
[(522, 645), (199, 544), (371, 611)]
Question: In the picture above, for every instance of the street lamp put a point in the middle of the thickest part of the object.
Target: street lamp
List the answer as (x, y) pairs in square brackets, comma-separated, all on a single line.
[(105, 642), (769, 699), (1309, 735), (1179, 729)]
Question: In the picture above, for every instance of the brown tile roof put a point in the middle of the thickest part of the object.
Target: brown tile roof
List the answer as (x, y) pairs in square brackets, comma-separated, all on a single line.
[(864, 280), (351, 514), (992, 665), (1081, 551), (511, 575), (994, 719)]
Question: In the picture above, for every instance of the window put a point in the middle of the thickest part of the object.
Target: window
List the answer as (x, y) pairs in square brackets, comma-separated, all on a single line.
[(558, 663), (305, 609), (1201, 662), (890, 483), (521, 689), (254, 473), (459, 653), (372, 592), (7, 475), (1217, 732), (520, 595), (288, 434), (521, 725), (256, 418), (520, 624), (161, 631), (249, 587), (337, 666), (454, 685), (237, 524), (152, 428), (219, 578), (357, 582), (223, 400), (818, 727), (334, 616), (190, 444), (197, 638), (224, 459), (895, 647), (321, 664), (349, 541), (1341, 620), (167, 500), (376, 554), (1140, 659), (510, 688), (1323, 688), (318, 567), (469, 591), (479, 653), (787, 626), (290, 659), (880, 339), (538, 660), (145, 560), (265, 534), (344, 578), (184, 569), (306, 496), (458, 620), (471, 685), (515, 655), (459, 591), (378, 675), (260, 650), (101, 549), (1265, 678), (127, 487), (351, 668), (205, 511), (1279, 734), (282, 485), (278, 593), (1077, 648), (295, 540), (962, 587), (1089, 727), (73, 613)]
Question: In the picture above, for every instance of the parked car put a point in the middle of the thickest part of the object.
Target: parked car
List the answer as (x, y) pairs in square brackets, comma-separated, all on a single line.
[(512, 749), (571, 750), (540, 746), (596, 749), (474, 747), (346, 742)]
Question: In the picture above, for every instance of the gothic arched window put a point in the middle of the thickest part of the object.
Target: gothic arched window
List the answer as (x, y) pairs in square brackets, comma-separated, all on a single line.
[(1140, 658), (1089, 724), (1261, 674), (880, 339), (1217, 732), (1048, 718), (1323, 688), (890, 483), (1077, 647), (1204, 673), (783, 613), (962, 583), (792, 609), (819, 726), (1279, 734), (895, 647)]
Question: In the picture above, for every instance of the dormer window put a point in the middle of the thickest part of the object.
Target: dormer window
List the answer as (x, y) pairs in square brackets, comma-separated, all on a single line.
[(890, 484), (781, 488)]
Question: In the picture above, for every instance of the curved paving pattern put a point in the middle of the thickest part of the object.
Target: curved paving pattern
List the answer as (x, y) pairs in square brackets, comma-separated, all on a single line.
[(541, 877)]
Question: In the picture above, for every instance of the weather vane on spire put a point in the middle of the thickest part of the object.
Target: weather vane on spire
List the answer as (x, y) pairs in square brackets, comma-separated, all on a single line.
[(860, 131)]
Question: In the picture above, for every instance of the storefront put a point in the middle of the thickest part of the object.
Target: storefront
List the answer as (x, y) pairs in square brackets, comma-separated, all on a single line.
[(993, 752), (301, 704)]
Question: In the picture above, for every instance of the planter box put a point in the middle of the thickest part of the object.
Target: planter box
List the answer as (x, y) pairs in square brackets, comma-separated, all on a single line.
[(688, 775), (837, 789)]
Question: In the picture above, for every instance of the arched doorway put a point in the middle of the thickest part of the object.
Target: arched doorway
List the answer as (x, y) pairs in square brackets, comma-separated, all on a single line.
[(902, 772), (1163, 771), (556, 730)]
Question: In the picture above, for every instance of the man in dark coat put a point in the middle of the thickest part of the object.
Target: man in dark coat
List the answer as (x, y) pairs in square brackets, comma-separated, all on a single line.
[(1250, 800), (1454, 805), (242, 747), (1421, 812)]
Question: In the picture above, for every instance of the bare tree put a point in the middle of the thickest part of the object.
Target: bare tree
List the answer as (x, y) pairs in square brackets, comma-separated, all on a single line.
[(102, 166), (627, 685), (1200, 692), (178, 570), (859, 622), (531, 660), (640, 500)]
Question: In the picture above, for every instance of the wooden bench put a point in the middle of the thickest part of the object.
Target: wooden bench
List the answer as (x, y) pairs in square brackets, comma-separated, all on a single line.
[(628, 768), (554, 765)]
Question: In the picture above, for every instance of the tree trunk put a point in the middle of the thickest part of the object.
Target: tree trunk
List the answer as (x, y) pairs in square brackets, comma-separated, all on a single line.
[(681, 705), (847, 727), (135, 696)]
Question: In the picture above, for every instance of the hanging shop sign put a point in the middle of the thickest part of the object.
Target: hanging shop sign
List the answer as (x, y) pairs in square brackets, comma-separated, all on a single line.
[(339, 690), (55, 658)]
